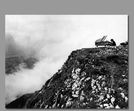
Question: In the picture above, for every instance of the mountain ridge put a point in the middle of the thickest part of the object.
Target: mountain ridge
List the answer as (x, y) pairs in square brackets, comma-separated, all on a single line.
[(94, 78)]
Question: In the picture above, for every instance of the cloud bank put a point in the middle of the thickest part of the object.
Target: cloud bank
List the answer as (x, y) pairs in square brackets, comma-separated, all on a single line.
[(50, 39)]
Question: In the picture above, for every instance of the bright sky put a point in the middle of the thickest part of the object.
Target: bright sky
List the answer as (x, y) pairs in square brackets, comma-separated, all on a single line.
[(80, 28), (52, 38)]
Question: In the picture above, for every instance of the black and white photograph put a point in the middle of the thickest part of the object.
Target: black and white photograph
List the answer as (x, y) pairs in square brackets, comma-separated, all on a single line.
[(66, 62)]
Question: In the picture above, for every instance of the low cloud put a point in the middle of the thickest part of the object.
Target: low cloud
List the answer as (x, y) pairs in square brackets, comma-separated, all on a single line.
[(50, 39)]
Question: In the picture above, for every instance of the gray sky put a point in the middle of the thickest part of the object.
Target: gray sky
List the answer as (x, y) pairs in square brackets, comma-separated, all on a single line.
[(51, 38)]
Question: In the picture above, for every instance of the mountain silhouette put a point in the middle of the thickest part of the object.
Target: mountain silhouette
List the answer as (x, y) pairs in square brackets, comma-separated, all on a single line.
[(93, 78)]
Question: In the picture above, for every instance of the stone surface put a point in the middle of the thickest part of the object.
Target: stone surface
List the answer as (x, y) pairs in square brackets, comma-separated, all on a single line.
[(94, 78)]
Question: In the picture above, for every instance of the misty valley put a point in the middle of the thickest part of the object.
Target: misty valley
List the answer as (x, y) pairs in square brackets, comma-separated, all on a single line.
[(14, 64), (66, 62)]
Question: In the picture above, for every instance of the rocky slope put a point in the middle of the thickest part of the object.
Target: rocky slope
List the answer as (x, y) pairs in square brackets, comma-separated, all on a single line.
[(93, 78)]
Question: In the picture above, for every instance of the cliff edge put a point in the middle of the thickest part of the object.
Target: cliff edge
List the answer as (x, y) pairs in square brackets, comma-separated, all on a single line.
[(94, 78)]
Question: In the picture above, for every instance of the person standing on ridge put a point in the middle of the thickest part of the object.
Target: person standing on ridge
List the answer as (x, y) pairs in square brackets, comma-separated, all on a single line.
[(113, 42)]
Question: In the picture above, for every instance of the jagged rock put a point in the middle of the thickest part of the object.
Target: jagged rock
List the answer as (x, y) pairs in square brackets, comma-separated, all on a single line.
[(93, 78)]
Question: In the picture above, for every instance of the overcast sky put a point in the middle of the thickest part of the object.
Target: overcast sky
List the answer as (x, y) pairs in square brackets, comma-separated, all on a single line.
[(51, 38)]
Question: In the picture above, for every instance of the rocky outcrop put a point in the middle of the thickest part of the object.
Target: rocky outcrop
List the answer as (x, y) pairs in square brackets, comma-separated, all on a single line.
[(94, 78)]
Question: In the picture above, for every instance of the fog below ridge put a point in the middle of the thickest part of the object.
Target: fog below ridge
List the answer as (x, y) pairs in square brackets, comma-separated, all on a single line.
[(50, 39)]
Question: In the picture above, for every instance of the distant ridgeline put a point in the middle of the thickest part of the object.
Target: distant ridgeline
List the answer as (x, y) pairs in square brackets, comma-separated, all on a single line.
[(93, 78), (14, 62)]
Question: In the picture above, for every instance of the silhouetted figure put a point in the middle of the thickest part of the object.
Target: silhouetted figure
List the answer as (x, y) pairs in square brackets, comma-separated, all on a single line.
[(113, 42), (103, 42), (124, 43)]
